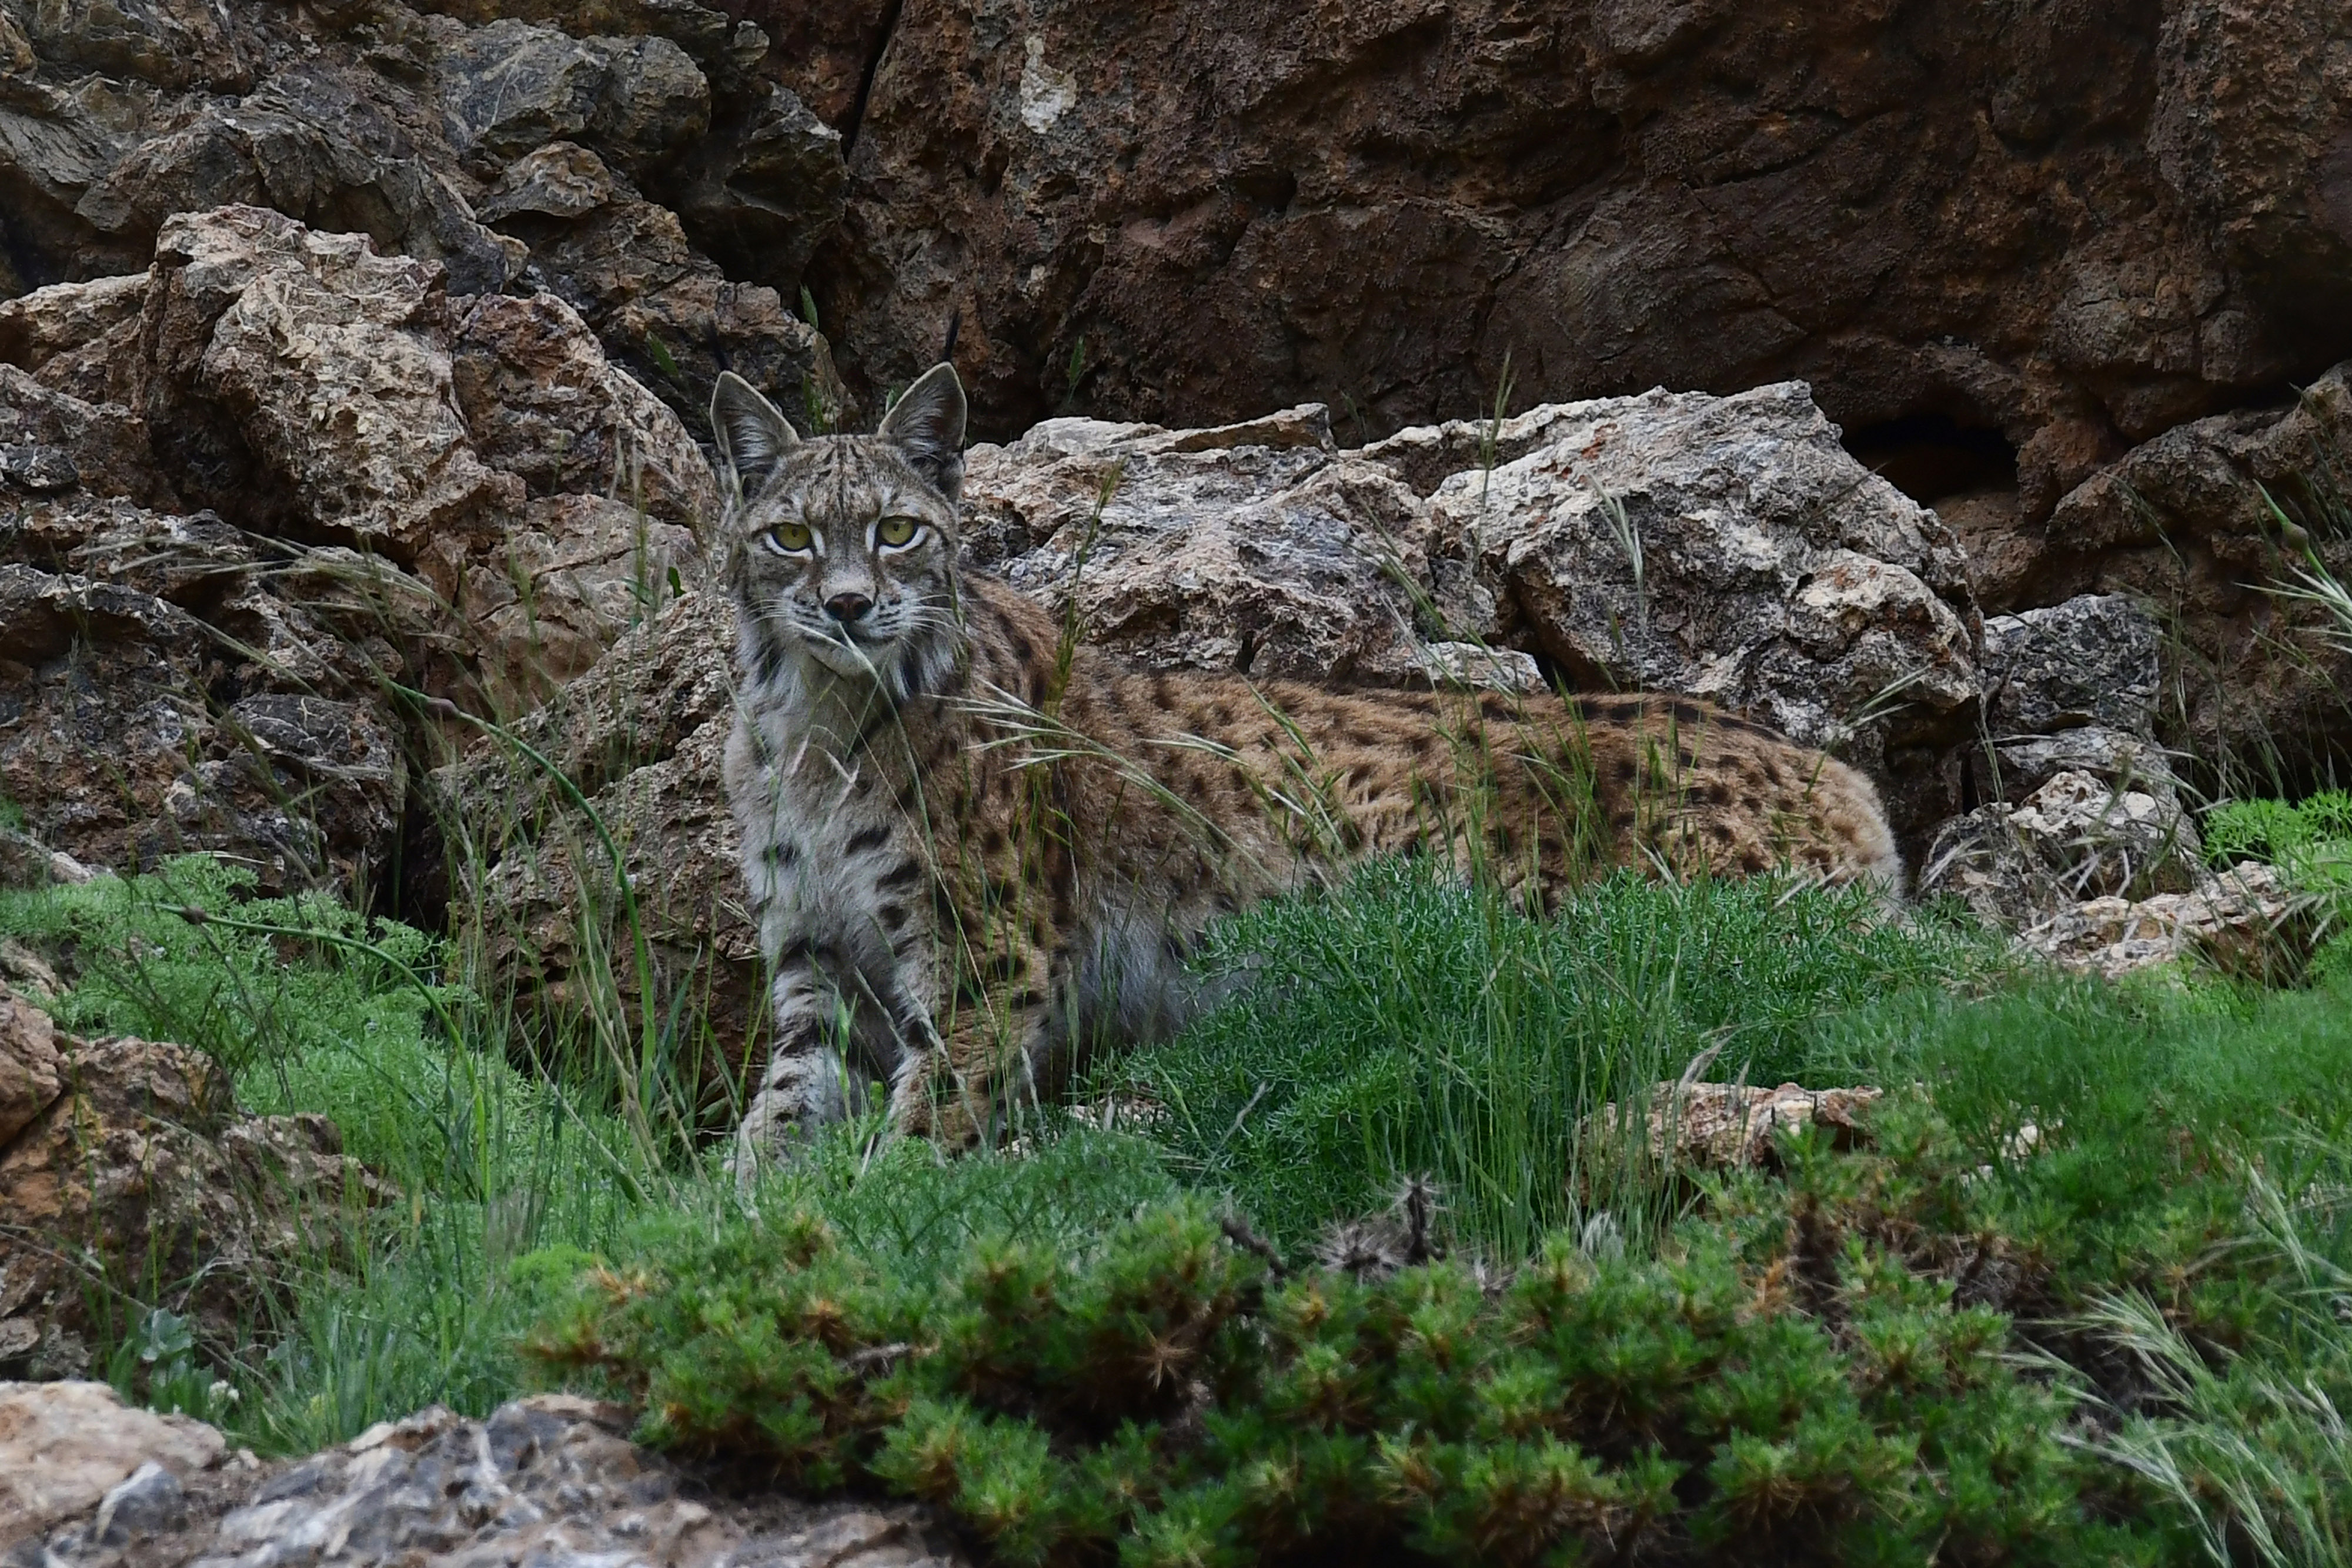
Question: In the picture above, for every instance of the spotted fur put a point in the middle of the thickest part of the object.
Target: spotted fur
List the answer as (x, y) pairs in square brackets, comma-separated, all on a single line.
[(975, 851)]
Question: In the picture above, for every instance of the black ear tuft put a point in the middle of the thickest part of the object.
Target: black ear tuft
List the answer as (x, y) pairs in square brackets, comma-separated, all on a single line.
[(926, 424), (751, 434)]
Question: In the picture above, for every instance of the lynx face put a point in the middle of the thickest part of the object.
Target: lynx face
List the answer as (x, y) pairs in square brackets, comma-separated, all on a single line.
[(840, 550)]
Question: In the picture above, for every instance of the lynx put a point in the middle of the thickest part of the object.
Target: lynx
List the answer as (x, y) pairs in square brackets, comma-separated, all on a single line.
[(975, 846)]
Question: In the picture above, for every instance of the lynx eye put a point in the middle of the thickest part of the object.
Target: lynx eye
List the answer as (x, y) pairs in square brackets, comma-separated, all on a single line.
[(895, 533), (789, 538)]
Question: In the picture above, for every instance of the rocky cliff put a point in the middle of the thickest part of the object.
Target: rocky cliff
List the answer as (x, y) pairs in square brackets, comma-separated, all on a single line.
[(352, 355)]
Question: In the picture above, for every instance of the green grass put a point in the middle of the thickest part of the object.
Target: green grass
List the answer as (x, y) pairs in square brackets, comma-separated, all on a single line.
[(1409, 1025)]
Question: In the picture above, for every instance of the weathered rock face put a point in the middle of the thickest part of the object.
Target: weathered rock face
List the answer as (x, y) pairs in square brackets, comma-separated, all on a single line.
[(2075, 688), (1728, 548), (465, 495), (129, 1168), (2073, 227), (546, 1480), (169, 689)]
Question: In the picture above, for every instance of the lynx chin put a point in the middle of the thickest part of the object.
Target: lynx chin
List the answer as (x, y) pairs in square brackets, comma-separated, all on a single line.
[(975, 851)]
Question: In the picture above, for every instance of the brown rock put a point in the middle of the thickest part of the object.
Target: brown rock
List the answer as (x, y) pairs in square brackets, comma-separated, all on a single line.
[(143, 1177), (2060, 230), (640, 735), (162, 703), (66, 1445), (327, 359), (28, 1064), (541, 401), (665, 313), (2245, 921), (573, 574), (37, 327), (2186, 522)]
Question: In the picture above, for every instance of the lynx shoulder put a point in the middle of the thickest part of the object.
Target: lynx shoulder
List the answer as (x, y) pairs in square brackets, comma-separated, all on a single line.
[(973, 852)]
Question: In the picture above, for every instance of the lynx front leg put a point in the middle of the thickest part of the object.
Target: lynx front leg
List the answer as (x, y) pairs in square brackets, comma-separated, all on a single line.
[(803, 1085), (978, 1069)]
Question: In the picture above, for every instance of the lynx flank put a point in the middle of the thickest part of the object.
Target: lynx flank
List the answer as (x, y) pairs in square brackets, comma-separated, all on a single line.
[(972, 847)]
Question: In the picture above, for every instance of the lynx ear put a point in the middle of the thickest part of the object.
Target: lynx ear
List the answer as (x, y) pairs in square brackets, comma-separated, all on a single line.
[(751, 434), (926, 424)]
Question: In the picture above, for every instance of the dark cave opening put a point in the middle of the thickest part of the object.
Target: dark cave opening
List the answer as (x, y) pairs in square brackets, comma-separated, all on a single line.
[(1929, 456)]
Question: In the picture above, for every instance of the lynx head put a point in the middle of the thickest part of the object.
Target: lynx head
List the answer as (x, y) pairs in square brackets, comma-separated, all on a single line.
[(840, 550)]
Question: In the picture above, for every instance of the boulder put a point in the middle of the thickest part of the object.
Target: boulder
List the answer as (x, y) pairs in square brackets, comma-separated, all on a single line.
[(2074, 687), (641, 737), (541, 401), (2206, 522), (2245, 921), (330, 363), (2075, 838), (511, 85), (72, 1448), (549, 1480), (1727, 548), (665, 312), (1258, 547), (51, 442), (140, 1176)]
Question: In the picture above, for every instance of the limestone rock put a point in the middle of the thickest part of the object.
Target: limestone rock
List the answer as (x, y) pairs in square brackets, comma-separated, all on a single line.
[(548, 1481), (2090, 661), (37, 327), (327, 359), (2074, 839), (1258, 547), (2245, 920), (1728, 548), (67, 1447), (141, 1175), (2074, 687), (1723, 1126)]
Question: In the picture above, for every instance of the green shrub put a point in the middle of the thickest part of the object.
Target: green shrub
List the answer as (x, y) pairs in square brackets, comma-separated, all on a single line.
[(1786, 1384), (1406, 1024)]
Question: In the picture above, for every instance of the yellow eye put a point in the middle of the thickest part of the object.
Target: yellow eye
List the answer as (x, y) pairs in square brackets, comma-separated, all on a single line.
[(897, 531), (789, 537)]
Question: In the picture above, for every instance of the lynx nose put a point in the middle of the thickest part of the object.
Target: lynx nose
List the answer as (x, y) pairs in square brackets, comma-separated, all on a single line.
[(847, 606)]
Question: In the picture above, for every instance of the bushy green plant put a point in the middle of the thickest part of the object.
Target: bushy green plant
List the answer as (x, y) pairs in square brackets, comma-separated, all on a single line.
[(1785, 1385), (1407, 1024)]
